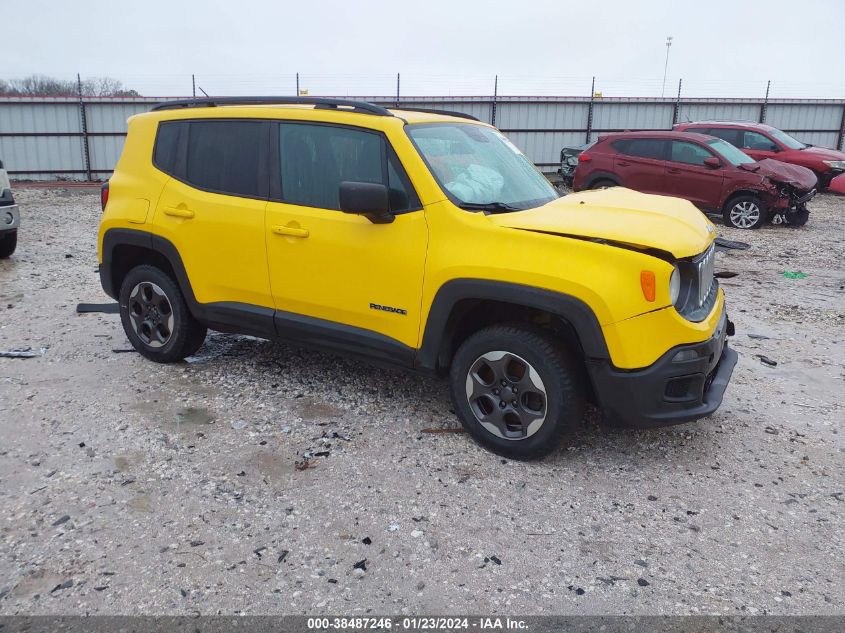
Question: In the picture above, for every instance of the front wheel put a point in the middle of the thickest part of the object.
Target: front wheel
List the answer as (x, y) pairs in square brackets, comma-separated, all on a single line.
[(745, 212), (516, 391), (8, 243), (156, 318)]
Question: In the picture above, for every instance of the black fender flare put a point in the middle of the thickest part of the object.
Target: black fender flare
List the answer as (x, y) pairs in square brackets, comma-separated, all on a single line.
[(577, 313), (221, 316)]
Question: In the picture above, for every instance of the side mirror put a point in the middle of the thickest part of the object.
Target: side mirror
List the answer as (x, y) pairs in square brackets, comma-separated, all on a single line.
[(712, 162), (366, 198)]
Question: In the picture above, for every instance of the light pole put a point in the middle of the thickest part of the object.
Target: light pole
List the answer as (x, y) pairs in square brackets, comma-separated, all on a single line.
[(666, 65)]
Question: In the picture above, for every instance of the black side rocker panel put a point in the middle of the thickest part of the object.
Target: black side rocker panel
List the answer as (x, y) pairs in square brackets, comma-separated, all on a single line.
[(260, 321)]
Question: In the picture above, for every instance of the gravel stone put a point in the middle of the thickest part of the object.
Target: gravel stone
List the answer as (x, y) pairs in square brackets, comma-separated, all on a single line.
[(770, 531)]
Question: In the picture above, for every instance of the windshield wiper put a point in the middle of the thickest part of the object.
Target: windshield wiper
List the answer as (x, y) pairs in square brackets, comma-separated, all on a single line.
[(490, 207)]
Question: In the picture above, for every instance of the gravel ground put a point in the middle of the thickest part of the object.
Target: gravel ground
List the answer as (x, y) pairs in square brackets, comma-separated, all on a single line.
[(129, 487)]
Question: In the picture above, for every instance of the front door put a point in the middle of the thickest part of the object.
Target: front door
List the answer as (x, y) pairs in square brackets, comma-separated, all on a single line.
[(337, 276), (688, 177), (758, 146)]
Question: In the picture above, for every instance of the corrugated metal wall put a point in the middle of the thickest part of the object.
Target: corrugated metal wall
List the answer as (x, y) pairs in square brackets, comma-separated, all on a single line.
[(42, 138)]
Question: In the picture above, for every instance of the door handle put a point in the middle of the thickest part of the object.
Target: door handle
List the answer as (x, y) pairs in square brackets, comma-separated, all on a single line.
[(622, 163), (179, 212), (673, 170), (291, 231)]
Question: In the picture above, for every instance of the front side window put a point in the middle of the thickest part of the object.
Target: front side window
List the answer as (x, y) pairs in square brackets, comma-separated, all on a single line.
[(757, 141), (224, 156), (787, 140), (479, 168), (730, 153), (315, 159), (689, 153)]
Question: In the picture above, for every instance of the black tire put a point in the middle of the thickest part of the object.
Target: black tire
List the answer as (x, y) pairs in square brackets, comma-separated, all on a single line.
[(602, 183), (745, 212), (798, 218), (8, 243), (559, 397), (156, 318)]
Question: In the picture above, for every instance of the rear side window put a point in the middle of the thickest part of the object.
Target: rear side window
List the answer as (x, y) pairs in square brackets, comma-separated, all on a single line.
[(315, 159), (642, 147), (689, 153), (166, 146), (731, 135), (225, 156)]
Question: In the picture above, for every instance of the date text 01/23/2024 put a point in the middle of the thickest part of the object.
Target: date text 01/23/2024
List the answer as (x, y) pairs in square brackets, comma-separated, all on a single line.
[(411, 623)]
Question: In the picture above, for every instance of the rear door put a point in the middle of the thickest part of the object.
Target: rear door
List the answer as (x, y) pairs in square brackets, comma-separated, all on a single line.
[(212, 208), (688, 177), (640, 163)]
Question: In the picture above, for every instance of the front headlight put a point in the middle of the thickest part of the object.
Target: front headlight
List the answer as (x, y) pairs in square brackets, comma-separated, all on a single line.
[(835, 164), (675, 285)]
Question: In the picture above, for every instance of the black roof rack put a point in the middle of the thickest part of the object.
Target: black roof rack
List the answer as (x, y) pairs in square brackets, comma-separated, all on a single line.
[(462, 115), (324, 103), (318, 102)]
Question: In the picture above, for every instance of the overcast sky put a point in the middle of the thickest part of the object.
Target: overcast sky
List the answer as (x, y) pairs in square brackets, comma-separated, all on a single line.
[(720, 47)]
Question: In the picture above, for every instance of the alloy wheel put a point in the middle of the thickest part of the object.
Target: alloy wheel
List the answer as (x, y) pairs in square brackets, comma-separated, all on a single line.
[(151, 314), (745, 214), (506, 395)]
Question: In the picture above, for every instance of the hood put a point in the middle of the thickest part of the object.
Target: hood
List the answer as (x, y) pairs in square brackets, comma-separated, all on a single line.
[(799, 177), (620, 215), (823, 153)]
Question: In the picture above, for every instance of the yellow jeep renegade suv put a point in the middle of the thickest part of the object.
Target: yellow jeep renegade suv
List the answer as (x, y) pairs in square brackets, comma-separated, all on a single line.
[(425, 240)]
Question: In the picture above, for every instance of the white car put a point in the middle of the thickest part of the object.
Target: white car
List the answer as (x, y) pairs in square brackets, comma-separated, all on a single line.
[(10, 218)]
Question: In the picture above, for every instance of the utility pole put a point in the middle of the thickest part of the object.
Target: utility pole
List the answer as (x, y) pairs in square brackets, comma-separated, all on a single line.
[(297, 84), (397, 90), (493, 105), (666, 65), (765, 105), (194, 85), (83, 119)]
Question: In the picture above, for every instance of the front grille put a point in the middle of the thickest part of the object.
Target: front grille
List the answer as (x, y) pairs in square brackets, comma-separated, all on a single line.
[(705, 267)]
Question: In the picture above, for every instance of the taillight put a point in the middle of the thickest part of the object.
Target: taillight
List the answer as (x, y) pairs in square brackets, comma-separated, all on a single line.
[(584, 158), (104, 195)]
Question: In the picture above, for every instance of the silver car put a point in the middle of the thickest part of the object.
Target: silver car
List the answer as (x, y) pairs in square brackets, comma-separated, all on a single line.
[(10, 218)]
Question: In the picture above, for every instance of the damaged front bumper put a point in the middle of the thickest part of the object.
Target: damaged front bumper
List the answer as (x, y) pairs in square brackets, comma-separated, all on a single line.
[(790, 200), (687, 383)]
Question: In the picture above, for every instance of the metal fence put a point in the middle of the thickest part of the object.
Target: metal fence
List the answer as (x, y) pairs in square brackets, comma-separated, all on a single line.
[(69, 138)]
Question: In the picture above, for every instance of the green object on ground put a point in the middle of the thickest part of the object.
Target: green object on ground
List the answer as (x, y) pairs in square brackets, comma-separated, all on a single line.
[(794, 275)]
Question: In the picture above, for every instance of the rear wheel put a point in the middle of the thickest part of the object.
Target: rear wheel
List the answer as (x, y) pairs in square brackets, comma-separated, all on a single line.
[(156, 318), (602, 183), (8, 243), (516, 391), (745, 212)]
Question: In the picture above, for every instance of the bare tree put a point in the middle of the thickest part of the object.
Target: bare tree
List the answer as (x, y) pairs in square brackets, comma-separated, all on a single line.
[(43, 86)]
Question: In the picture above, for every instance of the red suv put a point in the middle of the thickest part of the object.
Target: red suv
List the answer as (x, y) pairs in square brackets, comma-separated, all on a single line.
[(711, 173), (763, 141)]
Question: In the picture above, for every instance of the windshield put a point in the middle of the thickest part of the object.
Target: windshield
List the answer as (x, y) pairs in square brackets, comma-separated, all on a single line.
[(479, 167), (786, 139), (730, 153)]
